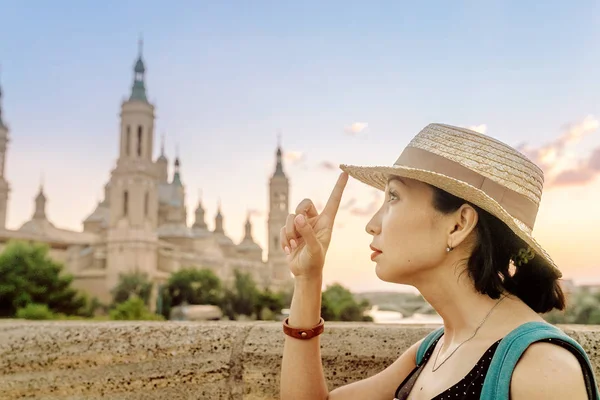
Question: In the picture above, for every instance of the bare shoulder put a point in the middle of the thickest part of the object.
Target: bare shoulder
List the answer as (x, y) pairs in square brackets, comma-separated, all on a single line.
[(548, 371), (383, 385)]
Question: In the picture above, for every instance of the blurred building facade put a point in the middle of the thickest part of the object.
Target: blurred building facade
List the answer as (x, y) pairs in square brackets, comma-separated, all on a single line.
[(141, 224)]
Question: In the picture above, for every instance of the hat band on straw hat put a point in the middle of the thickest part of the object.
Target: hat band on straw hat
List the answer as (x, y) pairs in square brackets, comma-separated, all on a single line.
[(518, 205)]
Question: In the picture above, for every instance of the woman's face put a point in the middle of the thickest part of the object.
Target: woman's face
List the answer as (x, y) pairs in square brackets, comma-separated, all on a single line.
[(409, 235)]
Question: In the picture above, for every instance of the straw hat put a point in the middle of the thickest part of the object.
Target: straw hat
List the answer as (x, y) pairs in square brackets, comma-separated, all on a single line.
[(474, 167)]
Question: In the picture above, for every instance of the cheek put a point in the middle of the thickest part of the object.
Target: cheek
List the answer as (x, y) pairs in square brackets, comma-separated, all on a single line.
[(410, 239)]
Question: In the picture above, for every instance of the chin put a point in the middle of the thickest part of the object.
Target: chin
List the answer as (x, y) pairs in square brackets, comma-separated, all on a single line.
[(394, 274), (385, 274)]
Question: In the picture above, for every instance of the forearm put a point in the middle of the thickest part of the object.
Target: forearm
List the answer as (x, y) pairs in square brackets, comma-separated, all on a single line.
[(302, 370)]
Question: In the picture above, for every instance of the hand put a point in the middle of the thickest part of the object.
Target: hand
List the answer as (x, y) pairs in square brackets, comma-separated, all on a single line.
[(306, 235)]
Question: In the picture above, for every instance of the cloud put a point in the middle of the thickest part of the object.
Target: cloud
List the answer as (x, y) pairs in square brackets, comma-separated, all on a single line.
[(585, 172), (294, 157), (576, 132), (253, 212), (328, 165), (350, 203), (355, 128), (551, 155), (370, 208), (594, 160), (573, 177), (557, 160), (479, 128)]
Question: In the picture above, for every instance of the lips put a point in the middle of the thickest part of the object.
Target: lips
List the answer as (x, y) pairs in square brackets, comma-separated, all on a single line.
[(375, 253)]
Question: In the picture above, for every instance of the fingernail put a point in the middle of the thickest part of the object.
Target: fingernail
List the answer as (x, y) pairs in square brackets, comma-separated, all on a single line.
[(300, 220), (287, 250), (293, 243)]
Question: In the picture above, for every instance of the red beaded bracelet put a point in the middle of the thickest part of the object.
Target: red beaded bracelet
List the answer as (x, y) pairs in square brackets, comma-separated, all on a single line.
[(301, 333)]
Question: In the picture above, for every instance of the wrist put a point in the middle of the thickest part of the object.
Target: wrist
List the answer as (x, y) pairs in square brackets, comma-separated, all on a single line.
[(315, 279), (305, 309)]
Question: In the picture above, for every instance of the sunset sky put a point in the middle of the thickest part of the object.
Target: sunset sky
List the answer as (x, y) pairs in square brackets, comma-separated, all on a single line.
[(344, 82)]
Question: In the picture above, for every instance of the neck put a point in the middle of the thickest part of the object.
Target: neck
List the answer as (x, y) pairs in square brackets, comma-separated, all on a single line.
[(452, 294)]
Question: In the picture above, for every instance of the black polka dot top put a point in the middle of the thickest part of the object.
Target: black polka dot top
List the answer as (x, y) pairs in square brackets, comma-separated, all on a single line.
[(468, 388)]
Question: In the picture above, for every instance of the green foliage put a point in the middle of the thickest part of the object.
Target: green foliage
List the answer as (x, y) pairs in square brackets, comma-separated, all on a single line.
[(285, 295), (28, 275), (269, 305), (132, 284), (338, 304), (243, 297), (194, 286), (228, 303), (583, 307), (91, 307), (245, 294), (36, 312), (133, 309)]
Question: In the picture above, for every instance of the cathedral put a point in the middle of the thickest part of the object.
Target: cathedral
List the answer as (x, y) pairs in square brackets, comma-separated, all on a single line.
[(141, 224)]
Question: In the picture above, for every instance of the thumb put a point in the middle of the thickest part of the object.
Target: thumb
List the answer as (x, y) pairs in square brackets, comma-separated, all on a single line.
[(307, 233)]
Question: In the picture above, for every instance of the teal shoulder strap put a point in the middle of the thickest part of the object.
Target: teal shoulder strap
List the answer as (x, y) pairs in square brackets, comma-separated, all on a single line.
[(497, 381), (427, 341)]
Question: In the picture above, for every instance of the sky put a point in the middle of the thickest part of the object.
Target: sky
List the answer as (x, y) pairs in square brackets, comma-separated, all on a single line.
[(342, 82)]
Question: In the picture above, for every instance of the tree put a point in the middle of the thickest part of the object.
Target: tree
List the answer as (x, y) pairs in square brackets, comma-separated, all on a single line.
[(583, 307), (338, 304), (28, 275), (130, 284), (133, 309), (268, 304), (193, 286), (36, 312), (242, 298)]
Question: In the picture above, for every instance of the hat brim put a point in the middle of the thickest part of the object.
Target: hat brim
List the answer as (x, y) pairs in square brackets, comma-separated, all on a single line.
[(377, 177)]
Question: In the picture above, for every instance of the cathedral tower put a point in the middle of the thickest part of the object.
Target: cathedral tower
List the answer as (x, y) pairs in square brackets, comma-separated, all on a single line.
[(162, 163), (132, 233), (200, 220), (279, 190), (4, 186)]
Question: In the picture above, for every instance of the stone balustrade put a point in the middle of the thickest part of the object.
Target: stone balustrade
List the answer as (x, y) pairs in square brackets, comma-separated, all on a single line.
[(191, 360)]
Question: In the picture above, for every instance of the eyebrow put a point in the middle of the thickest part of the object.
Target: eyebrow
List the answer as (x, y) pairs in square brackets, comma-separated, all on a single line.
[(396, 178)]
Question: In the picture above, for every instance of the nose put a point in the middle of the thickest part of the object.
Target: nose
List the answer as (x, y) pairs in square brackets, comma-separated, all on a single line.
[(374, 225)]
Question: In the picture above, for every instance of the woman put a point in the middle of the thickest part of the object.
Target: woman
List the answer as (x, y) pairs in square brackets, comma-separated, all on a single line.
[(456, 224)]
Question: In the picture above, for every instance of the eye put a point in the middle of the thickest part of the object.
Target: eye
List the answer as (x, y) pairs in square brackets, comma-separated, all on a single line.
[(392, 195)]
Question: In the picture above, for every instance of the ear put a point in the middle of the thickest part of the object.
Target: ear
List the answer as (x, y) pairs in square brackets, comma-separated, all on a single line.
[(464, 222)]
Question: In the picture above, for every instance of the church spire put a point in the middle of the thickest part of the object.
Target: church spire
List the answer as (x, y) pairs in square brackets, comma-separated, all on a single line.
[(199, 221), (177, 174), (162, 146), (138, 90), (219, 220), (248, 228), (40, 204), (162, 163), (279, 156)]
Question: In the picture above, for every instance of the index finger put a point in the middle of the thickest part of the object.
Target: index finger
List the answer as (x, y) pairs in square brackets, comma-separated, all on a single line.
[(335, 198)]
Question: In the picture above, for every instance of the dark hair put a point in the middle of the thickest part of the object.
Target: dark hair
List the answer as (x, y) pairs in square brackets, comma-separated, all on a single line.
[(490, 265)]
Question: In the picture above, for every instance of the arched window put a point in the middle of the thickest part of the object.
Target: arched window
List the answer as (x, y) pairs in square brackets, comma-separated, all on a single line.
[(125, 203), (139, 141), (128, 141), (281, 201)]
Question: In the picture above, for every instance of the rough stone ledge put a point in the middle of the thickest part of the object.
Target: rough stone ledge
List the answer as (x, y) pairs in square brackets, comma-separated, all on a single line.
[(186, 360)]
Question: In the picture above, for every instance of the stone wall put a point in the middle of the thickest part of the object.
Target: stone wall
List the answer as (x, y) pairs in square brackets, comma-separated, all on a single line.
[(184, 360)]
